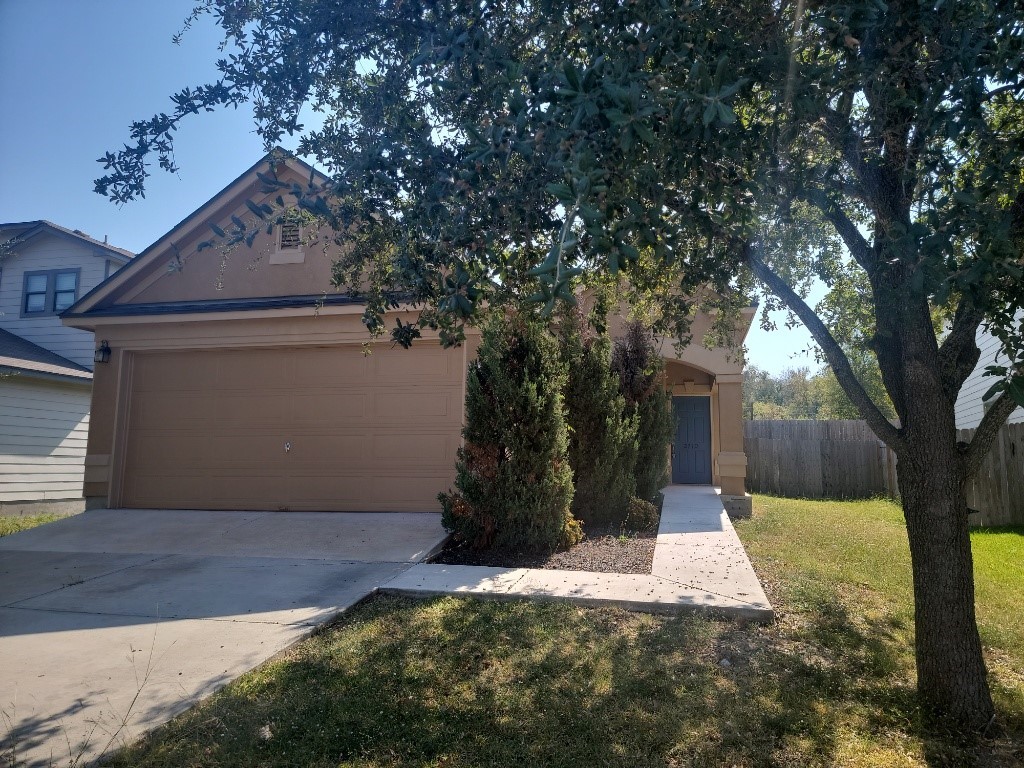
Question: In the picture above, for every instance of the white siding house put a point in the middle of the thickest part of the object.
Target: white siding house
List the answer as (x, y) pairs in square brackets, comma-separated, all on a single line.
[(45, 367), (969, 404)]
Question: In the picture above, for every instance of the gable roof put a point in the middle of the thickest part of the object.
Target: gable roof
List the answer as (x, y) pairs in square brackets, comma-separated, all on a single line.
[(144, 260), (26, 230), (20, 354)]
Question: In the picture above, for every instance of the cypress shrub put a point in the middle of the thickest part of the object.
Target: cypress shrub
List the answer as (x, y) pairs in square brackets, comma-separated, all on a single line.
[(640, 367), (602, 435), (513, 483)]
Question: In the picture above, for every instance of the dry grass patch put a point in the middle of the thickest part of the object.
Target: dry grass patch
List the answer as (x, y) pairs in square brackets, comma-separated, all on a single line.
[(13, 523)]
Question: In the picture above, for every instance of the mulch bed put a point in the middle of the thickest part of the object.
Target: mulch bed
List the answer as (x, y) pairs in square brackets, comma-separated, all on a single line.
[(602, 551)]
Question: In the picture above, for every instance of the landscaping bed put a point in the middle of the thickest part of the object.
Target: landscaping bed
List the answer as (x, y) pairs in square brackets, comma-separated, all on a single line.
[(602, 551)]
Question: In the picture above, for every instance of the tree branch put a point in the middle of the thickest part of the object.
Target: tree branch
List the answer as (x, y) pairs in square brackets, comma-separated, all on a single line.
[(974, 452), (959, 353), (1008, 88), (848, 142), (858, 245), (834, 354)]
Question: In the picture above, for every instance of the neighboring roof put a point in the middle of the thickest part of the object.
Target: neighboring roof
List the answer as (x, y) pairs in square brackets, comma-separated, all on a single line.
[(84, 306), (217, 305), (26, 230), (20, 354)]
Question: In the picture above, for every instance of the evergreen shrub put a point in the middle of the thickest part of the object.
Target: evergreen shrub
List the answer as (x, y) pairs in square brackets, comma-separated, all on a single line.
[(640, 369), (602, 435), (642, 515), (513, 486)]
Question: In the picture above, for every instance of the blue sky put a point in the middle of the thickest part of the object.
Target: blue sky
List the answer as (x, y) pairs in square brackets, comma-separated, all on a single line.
[(76, 74)]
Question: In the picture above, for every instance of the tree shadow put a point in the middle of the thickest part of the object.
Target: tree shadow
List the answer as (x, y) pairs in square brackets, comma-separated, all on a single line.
[(459, 682), (980, 530)]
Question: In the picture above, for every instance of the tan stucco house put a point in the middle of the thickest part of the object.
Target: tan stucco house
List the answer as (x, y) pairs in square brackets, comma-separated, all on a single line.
[(237, 383)]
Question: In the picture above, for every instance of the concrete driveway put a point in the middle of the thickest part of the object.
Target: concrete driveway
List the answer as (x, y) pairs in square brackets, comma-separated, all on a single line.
[(113, 621)]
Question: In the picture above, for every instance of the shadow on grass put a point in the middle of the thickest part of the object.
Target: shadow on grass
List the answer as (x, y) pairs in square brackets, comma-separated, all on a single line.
[(995, 530), (458, 682)]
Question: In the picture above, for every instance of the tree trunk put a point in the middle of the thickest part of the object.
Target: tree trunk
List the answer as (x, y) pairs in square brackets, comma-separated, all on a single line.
[(951, 675)]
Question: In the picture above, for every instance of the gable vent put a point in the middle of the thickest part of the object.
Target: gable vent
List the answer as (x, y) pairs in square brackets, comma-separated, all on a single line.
[(291, 235)]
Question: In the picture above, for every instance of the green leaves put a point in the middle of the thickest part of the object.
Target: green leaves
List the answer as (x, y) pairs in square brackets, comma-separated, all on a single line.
[(1016, 389), (572, 77), (562, 191), (717, 112), (645, 138), (549, 265)]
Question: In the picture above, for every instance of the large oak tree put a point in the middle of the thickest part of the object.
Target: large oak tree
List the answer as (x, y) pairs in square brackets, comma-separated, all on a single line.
[(707, 148)]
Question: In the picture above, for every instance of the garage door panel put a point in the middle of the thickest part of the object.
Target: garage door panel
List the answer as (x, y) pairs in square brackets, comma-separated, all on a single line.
[(246, 490), (153, 447), (241, 409), (329, 450), (416, 449), (174, 372), (367, 452), (398, 492), (329, 407), (275, 371), (395, 364), (364, 433), (168, 448), (183, 410), (251, 448), (421, 404), (329, 366), (149, 490), (185, 450)]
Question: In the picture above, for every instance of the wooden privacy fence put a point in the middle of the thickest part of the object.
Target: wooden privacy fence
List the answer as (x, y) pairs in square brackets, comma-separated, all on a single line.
[(818, 459), (997, 491), (844, 460)]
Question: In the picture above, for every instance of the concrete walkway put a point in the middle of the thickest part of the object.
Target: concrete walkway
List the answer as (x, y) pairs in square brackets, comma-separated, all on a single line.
[(699, 565), (169, 606)]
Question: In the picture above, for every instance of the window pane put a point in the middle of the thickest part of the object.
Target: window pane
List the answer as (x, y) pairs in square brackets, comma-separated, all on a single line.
[(67, 281), (63, 300), (36, 284), (35, 302)]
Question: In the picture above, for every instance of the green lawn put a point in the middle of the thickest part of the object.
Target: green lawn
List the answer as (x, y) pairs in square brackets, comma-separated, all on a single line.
[(9, 525), (454, 682)]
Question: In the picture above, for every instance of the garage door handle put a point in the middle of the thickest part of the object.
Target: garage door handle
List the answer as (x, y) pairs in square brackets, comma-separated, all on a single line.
[(287, 447)]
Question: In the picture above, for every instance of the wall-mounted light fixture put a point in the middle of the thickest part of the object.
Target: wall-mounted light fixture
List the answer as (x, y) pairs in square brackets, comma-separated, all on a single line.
[(102, 353)]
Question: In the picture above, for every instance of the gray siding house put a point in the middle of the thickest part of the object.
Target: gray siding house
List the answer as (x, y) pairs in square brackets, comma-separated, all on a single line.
[(969, 404), (45, 367)]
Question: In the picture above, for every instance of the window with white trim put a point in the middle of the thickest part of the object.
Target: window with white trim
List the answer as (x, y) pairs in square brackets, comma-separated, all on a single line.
[(48, 292)]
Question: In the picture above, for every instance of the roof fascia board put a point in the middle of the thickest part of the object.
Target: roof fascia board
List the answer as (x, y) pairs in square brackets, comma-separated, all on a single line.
[(91, 322)]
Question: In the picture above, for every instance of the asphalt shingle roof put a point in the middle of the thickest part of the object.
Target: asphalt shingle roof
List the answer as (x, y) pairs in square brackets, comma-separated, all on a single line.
[(22, 354), (27, 226)]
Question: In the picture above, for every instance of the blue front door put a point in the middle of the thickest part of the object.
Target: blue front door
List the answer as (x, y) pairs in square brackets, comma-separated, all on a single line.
[(691, 449)]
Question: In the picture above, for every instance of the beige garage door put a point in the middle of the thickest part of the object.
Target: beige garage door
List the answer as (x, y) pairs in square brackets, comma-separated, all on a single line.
[(322, 428)]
